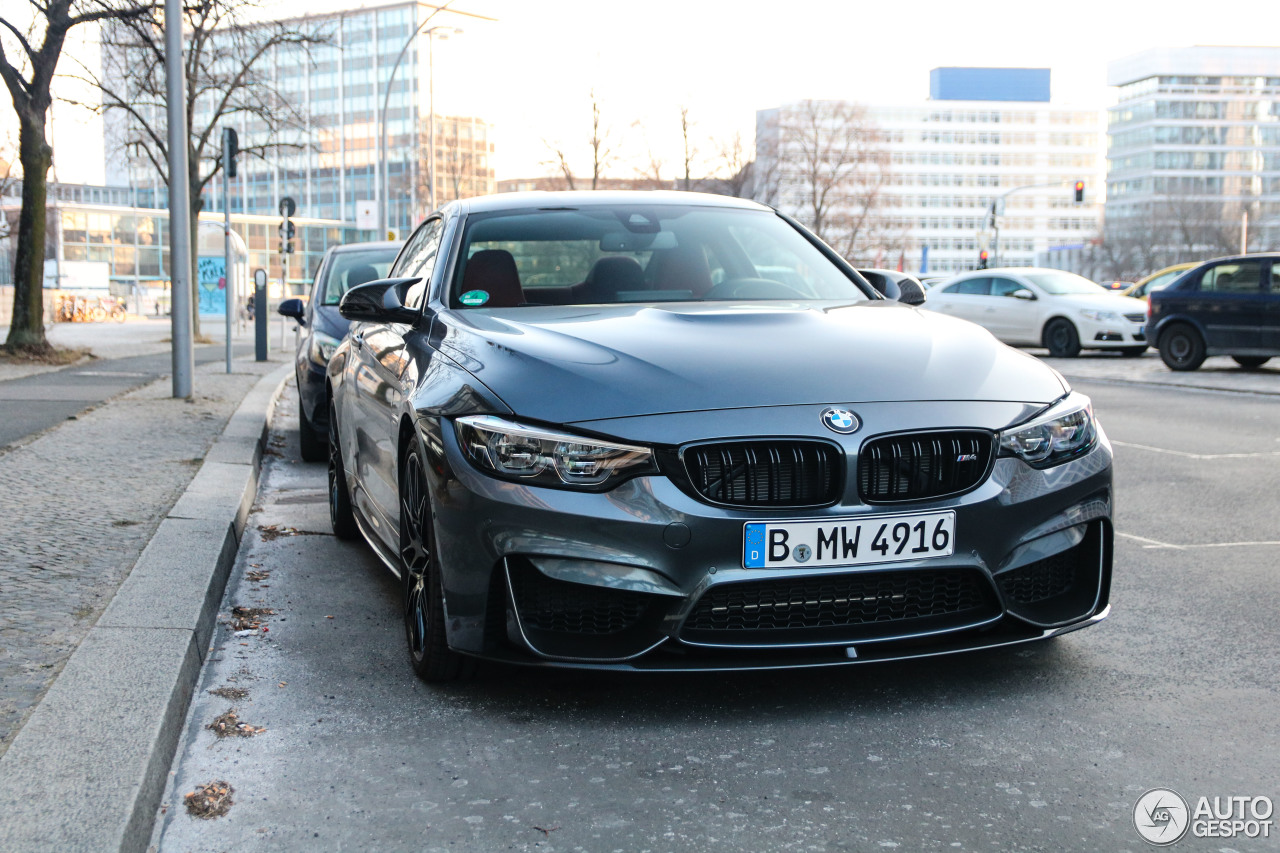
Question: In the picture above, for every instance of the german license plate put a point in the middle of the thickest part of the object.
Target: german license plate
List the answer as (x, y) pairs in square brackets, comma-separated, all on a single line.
[(848, 541)]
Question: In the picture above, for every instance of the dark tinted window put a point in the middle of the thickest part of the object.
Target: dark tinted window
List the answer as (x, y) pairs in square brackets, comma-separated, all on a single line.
[(1235, 277), (1005, 286), (971, 287)]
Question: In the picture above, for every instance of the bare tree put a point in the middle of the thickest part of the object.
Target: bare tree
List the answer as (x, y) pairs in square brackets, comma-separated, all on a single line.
[(828, 162), (560, 162), (602, 148), (733, 169), (29, 54), (227, 84), (689, 150)]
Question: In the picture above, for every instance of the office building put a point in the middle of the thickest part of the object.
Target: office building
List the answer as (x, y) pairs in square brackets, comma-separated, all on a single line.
[(989, 135), (329, 162), (1194, 146)]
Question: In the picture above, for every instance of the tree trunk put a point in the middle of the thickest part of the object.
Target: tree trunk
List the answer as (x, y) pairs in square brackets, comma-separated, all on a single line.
[(27, 326), (196, 206)]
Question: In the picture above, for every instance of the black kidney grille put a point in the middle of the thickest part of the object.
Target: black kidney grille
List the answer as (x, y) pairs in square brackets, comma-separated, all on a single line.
[(547, 604), (922, 465), (839, 602), (1041, 580), (765, 473)]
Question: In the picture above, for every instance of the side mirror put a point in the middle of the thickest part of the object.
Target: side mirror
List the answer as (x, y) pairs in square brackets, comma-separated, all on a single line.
[(910, 293), (380, 302), (295, 309), (1023, 293)]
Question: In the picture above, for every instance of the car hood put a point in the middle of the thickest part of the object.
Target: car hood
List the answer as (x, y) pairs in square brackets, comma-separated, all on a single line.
[(567, 364)]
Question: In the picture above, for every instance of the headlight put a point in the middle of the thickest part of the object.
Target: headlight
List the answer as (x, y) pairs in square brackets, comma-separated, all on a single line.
[(1100, 316), (1065, 431), (322, 347), (545, 457)]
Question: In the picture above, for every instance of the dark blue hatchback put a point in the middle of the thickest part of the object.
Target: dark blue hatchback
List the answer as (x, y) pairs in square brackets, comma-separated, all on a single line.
[(342, 268), (1228, 306)]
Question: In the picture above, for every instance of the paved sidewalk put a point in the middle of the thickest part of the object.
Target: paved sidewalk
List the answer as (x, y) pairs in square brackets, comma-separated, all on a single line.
[(82, 501), (1219, 373)]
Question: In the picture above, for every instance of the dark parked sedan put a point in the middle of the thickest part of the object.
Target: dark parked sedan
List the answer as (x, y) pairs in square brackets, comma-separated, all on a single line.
[(665, 431), (341, 268), (1228, 306)]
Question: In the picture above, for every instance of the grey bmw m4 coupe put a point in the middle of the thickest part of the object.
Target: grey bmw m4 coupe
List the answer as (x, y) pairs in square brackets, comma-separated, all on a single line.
[(672, 431)]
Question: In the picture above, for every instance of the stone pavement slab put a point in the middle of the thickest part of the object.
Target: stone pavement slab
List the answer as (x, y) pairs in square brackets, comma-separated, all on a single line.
[(87, 769), (80, 503)]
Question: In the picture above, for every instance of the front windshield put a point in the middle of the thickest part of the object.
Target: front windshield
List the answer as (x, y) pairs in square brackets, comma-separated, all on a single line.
[(349, 269), (1062, 283), (641, 254)]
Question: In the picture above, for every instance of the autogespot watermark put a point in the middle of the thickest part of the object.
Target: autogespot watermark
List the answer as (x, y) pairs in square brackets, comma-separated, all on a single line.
[(1162, 817)]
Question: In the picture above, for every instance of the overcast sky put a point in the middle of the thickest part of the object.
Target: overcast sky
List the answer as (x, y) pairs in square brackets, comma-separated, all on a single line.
[(531, 73)]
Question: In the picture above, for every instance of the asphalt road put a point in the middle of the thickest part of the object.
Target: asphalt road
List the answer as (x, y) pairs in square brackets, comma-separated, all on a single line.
[(1042, 748), (31, 404)]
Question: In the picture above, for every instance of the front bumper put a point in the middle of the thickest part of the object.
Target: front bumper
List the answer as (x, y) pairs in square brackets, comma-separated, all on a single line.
[(646, 577), (1112, 335)]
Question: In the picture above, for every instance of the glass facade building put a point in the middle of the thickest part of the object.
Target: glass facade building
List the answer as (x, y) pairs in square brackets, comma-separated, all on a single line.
[(331, 162), (1194, 143)]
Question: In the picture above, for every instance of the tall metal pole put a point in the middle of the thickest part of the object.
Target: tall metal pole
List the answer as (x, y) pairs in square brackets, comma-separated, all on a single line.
[(431, 121), (179, 204), (229, 275)]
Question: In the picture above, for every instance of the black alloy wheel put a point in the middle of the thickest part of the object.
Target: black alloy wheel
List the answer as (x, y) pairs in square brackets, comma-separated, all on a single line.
[(1062, 339), (1182, 348), (429, 651), (1250, 362), (341, 518)]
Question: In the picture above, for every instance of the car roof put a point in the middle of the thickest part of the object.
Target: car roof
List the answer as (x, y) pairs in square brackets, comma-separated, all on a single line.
[(541, 200)]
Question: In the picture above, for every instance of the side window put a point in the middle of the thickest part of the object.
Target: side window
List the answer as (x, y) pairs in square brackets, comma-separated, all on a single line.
[(971, 287), (1275, 277), (1005, 286), (1237, 277), (420, 260), (408, 252)]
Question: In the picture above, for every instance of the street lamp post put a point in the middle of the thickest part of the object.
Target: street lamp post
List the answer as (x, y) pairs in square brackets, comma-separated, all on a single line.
[(385, 206)]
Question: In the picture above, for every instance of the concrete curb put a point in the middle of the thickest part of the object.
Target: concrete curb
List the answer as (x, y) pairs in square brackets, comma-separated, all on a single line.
[(88, 769)]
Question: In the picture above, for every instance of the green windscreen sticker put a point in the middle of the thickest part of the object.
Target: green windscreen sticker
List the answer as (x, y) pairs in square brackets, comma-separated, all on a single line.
[(474, 297)]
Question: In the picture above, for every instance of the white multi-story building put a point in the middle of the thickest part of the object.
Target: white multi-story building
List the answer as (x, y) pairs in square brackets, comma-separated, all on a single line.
[(1194, 144), (984, 136)]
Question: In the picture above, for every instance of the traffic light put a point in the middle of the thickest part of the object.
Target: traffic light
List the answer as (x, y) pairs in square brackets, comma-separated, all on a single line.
[(1079, 192), (982, 259), (230, 148)]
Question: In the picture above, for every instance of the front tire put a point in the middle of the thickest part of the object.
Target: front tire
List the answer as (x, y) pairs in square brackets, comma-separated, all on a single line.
[(432, 659), (1182, 348), (1062, 339), (341, 518), (1250, 362), (311, 444)]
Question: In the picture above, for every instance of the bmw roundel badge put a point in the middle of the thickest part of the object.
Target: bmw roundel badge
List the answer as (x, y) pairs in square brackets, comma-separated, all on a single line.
[(842, 421)]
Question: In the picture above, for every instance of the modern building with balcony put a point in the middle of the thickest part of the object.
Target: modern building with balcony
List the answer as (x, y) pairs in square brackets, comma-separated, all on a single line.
[(985, 135)]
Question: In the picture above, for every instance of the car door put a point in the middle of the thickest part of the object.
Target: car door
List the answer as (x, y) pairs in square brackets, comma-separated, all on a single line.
[(379, 392), (963, 298), (1232, 305), (1010, 318), (1271, 320)]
